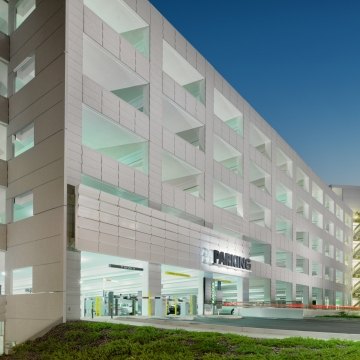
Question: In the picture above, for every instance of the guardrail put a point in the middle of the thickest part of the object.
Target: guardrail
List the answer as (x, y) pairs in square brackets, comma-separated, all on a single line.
[(290, 305)]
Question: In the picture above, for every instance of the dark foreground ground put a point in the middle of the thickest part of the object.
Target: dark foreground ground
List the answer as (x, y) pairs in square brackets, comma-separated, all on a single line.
[(92, 340)]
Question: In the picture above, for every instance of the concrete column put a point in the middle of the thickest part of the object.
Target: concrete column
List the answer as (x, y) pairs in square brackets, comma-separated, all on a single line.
[(151, 291), (242, 286), (200, 295)]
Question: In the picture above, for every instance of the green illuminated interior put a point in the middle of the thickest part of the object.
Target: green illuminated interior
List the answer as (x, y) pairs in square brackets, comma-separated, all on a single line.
[(111, 139), (283, 227), (228, 113), (24, 73), (4, 23), (23, 207), (23, 9), (113, 190), (228, 156), (227, 198), (2, 206), (196, 89), (181, 175), (22, 280), (23, 140), (139, 39), (136, 96), (3, 78)]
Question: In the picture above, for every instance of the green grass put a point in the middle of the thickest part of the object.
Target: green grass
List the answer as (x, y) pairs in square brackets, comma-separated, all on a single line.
[(82, 340)]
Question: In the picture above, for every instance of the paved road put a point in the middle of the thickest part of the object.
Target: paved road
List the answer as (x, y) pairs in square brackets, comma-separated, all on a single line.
[(329, 325)]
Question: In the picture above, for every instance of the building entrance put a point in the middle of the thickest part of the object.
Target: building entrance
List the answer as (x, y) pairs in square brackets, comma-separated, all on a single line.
[(110, 286)]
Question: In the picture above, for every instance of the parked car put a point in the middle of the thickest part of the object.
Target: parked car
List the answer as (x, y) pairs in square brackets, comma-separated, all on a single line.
[(227, 310), (171, 310)]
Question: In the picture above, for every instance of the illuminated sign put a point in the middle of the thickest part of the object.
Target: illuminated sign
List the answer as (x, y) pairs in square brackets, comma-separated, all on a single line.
[(221, 258)]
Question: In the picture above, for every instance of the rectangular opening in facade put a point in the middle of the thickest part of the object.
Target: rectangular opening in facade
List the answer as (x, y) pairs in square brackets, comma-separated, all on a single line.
[(124, 20), (329, 227), (329, 203), (259, 177), (22, 280), (23, 9), (328, 273), (23, 206), (339, 298), (328, 250), (181, 123), (339, 212), (302, 265), (260, 252), (316, 243), (316, 269), (24, 72), (106, 70), (303, 238), (4, 17), (260, 141), (179, 69), (227, 156), (283, 259), (228, 113), (23, 140), (339, 277), (259, 290), (259, 214), (284, 195), (348, 220), (283, 291), (339, 234), (3, 142), (283, 227), (182, 175), (302, 208), (228, 199), (317, 296), (302, 179), (284, 163), (2, 205), (339, 255), (317, 193), (302, 293), (111, 285), (3, 78), (111, 139), (317, 219)]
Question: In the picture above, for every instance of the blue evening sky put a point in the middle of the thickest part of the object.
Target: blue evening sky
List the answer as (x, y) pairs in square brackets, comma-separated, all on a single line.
[(297, 62)]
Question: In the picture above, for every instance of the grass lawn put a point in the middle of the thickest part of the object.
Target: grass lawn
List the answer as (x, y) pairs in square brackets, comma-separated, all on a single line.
[(90, 340)]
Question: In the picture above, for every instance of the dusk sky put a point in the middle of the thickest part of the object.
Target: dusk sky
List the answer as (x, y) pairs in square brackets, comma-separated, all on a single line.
[(297, 62)]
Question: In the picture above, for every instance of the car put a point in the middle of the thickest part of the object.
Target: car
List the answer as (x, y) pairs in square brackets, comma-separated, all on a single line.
[(226, 310), (171, 310)]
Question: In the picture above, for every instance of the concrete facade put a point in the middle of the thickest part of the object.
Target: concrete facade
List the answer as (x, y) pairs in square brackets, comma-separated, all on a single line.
[(211, 174)]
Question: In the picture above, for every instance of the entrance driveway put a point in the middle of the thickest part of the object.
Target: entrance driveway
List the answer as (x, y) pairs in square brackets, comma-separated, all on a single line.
[(319, 328), (330, 325)]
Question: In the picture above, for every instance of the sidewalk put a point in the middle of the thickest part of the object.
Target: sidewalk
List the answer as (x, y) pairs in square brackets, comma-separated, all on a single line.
[(188, 324)]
